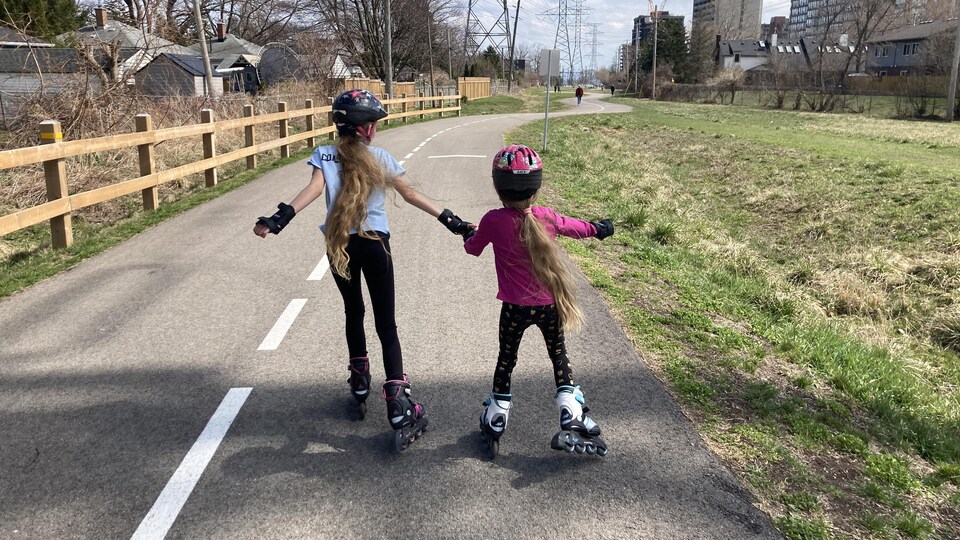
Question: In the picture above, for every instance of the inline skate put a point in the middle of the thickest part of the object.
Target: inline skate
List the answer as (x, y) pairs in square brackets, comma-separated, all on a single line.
[(360, 382), (578, 432), (493, 421), (407, 417)]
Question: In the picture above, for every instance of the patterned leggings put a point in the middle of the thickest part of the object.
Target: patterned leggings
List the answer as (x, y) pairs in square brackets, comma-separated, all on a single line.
[(514, 320)]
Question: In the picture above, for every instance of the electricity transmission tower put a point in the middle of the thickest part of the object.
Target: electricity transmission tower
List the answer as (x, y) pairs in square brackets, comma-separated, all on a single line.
[(593, 46), (478, 35), (570, 13)]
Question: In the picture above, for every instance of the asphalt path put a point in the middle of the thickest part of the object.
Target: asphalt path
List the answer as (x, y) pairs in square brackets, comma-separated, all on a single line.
[(191, 382)]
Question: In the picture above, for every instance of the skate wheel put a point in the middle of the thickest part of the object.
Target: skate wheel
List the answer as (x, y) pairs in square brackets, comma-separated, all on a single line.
[(591, 450), (601, 452), (362, 409), (493, 448), (399, 441)]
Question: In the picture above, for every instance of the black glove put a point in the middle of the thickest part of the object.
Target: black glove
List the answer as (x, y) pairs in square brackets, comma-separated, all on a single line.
[(604, 228), (454, 224), (278, 221)]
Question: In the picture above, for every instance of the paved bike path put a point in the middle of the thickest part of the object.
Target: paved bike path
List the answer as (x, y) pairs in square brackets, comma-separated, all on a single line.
[(110, 372)]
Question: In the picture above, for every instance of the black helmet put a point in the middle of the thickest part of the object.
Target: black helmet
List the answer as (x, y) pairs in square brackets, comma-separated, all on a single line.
[(356, 108)]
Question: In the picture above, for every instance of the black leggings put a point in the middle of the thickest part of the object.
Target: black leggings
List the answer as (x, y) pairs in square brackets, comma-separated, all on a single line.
[(372, 259), (514, 320)]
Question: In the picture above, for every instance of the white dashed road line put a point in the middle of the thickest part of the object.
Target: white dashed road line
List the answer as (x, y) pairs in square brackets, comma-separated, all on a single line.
[(283, 324), (178, 489), (320, 270)]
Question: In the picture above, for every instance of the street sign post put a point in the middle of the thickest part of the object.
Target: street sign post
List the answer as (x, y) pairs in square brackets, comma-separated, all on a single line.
[(549, 64)]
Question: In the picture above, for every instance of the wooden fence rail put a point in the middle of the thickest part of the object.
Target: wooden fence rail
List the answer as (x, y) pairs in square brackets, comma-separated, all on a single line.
[(53, 151)]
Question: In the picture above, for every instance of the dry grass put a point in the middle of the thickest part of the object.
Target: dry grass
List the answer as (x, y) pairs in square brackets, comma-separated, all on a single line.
[(83, 116)]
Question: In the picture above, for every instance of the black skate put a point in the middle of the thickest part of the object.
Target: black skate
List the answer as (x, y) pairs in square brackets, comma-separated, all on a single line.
[(407, 417), (578, 432), (360, 383), (493, 421)]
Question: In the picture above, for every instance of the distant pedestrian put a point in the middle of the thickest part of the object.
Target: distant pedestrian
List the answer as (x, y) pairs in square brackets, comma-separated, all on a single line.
[(611, 89), (579, 93), (536, 288)]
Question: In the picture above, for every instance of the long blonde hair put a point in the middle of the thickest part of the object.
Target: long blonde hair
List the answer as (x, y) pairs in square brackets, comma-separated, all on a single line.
[(360, 175), (548, 266)]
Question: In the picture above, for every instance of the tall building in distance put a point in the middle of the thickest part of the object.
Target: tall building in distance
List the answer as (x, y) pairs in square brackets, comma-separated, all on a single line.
[(643, 25), (777, 25), (732, 19), (818, 18)]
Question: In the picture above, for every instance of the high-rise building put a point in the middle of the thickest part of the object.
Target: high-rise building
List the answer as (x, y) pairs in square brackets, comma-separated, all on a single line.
[(822, 19), (777, 25), (732, 19), (643, 25)]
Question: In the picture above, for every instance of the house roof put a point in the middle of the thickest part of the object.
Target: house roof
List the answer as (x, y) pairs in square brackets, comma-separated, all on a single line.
[(743, 48), (231, 44), (917, 31), (11, 38), (236, 60), (190, 63), (43, 60), (125, 36)]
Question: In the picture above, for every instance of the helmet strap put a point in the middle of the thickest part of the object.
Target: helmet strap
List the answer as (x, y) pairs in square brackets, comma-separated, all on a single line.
[(368, 133)]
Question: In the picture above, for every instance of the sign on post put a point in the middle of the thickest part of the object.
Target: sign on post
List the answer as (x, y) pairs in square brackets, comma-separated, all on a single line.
[(549, 63)]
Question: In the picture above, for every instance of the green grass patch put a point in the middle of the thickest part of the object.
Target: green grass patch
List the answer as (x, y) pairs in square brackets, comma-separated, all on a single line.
[(794, 277)]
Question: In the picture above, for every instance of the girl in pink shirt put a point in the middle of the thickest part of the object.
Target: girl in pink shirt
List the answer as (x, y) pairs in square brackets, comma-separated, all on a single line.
[(536, 288)]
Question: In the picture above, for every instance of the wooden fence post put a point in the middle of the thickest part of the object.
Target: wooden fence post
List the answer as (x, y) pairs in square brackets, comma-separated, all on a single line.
[(333, 134), (441, 103), (55, 173), (209, 147), (387, 107), (284, 130), (423, 105), (151, 200), (403, 107), (309, 105), (249, 137)]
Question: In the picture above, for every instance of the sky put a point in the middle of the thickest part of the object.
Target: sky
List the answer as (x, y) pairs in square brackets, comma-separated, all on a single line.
[(615, 19)]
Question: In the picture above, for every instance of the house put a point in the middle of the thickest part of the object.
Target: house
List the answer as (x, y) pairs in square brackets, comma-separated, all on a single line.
[(179, 75), (280, 62), (921, 49), (26, 71), (226, 44), (136, 47), (242, 70), (11, 39), (746, 55)]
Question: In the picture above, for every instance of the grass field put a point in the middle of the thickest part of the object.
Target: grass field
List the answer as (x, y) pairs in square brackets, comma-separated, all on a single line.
[(533, 100), (795, 279)]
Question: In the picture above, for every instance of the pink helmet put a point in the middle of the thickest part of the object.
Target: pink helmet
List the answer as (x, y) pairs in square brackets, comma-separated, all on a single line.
[(517, 172)]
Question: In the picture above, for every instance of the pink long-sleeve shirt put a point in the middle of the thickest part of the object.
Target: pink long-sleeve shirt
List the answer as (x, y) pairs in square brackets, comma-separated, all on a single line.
[(501, 227)]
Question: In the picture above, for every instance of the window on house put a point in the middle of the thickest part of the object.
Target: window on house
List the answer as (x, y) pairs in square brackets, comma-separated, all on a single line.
[(877, 52), (886, 51), (903, 73), (913, 48), (883, 73), (906, 49), (736, 58), (249, 77)]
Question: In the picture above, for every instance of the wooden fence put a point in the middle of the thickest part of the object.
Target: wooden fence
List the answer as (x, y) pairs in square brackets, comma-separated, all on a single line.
[(53, 151), (379, 87), (473, 87)]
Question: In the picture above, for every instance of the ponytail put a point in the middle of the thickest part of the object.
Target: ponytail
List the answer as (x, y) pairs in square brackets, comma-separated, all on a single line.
[(549, 267), (360, 175)]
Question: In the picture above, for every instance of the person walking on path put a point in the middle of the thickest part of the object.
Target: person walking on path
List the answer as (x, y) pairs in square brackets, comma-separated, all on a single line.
[(579, 93), (536, 288), (355, 176), (611, 89)]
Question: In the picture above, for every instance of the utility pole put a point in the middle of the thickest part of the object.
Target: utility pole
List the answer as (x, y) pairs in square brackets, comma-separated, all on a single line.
[(207, 70), (433, 86), (387, 53), (656, 18), (449, 56), (513, 44), (952, 92)]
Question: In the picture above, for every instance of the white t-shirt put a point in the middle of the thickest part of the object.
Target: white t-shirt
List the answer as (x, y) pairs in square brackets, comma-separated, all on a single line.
[(327, 159)]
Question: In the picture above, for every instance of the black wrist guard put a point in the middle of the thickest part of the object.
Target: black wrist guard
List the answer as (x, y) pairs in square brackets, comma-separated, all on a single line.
[(454, 224), (278, 221), (604, 228)]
